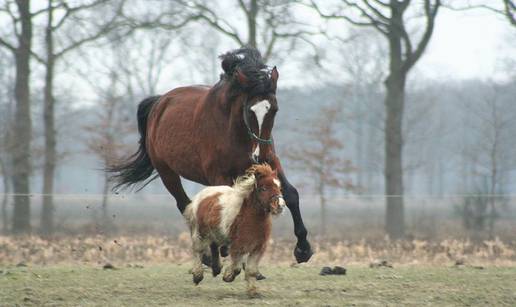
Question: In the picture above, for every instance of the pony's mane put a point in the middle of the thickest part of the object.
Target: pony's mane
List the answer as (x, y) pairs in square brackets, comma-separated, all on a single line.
[(249, 62), (245, 184)]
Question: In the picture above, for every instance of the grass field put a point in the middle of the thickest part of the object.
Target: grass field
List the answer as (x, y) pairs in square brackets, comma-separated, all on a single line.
[(171, 285)]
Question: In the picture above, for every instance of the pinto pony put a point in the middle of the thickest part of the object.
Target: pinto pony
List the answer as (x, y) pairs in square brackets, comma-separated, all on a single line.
[(239, 217), (211, 135)]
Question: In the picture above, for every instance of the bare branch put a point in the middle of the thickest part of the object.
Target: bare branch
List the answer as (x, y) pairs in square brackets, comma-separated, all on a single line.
[(7, 45), (372, 22), (375, 11), (14, 19), (219, 24), (509, 9), (430, 13), (381, 3), (42, 11)]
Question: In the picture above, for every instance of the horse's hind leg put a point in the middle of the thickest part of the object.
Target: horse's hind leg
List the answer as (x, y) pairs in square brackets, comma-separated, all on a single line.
[(215, 259), (172, 182)]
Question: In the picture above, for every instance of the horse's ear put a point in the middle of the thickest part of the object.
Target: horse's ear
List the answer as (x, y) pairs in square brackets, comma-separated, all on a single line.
[(241, 77), (274, 78)]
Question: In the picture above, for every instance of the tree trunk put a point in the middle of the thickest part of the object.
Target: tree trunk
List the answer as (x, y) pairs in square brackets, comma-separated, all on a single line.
[(5, 198), (322, 202), (394, 103), (107, 224), (394, 107), (47, 213), (22, 126), (251, 23), (359, 146)]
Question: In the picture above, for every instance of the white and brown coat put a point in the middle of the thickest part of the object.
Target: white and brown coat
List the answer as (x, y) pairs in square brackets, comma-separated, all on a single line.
[(239, 217)]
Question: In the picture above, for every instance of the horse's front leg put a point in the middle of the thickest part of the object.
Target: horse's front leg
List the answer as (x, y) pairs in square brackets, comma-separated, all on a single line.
[(303, 250)]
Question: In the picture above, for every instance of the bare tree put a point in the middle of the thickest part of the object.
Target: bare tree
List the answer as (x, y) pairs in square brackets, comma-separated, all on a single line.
[(320, 157), (52, 55), (492, 148), (388, 19), (21, 30), (106, 135), (6, 114), (268, 22), (506, 8), (364, 66)]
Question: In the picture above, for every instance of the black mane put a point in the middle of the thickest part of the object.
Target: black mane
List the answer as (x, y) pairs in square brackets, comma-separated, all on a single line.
[(248, 61)]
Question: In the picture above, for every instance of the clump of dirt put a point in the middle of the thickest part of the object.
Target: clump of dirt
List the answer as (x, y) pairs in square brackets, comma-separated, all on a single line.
[(380, 264), (336, 270)]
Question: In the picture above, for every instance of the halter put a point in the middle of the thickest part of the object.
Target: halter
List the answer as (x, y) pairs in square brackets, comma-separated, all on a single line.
[(250, 132)]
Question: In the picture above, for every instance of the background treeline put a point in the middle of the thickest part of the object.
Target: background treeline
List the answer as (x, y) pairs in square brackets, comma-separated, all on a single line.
[(357, 120)]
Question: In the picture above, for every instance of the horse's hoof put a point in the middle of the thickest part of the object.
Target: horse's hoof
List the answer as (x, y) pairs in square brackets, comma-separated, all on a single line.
[(224, 251), (197, 278), (259, 276), (303, 253)]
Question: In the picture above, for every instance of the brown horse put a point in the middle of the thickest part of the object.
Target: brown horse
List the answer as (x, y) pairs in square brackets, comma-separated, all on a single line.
[(207, 135), (238, 216)]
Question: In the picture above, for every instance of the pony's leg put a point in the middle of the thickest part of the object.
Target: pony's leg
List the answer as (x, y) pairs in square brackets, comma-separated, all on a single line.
[(303, 250), (215, 259), (198, 249), (233, 269), (172, 182), (251, 272)]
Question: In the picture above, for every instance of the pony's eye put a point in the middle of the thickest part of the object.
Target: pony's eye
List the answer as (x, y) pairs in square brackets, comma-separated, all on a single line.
[(262, 189)]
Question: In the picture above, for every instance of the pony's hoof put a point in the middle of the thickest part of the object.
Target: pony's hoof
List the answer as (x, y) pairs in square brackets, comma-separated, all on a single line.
[(236, 272), (228, 277), (303, 253), (197, 278), (215, 270), (259, 276), (224, 251), (206, 260), (253, 292)]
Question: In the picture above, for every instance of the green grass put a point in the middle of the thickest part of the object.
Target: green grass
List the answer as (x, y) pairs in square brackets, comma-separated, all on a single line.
[(298, 286)]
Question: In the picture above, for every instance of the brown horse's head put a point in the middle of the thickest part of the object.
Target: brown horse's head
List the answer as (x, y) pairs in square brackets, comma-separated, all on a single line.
[(256, 84), (267, 193)]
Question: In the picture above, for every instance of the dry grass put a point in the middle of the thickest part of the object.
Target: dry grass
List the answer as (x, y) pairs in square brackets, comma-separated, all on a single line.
[(158, 249), (171, 285)]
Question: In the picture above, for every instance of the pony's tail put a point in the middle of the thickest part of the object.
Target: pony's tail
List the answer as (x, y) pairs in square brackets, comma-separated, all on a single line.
[(138, 166)]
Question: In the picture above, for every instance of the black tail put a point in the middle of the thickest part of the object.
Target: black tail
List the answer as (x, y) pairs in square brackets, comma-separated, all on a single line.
[(137, 167)]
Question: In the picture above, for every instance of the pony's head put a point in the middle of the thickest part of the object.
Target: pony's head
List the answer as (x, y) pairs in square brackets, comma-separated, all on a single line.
[(267, 189), (256, 83)]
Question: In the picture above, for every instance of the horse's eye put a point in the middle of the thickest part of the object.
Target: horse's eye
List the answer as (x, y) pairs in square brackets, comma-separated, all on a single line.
[(262, 189)]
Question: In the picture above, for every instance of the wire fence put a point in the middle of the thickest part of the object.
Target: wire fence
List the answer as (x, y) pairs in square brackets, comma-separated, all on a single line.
[(343, 217)]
